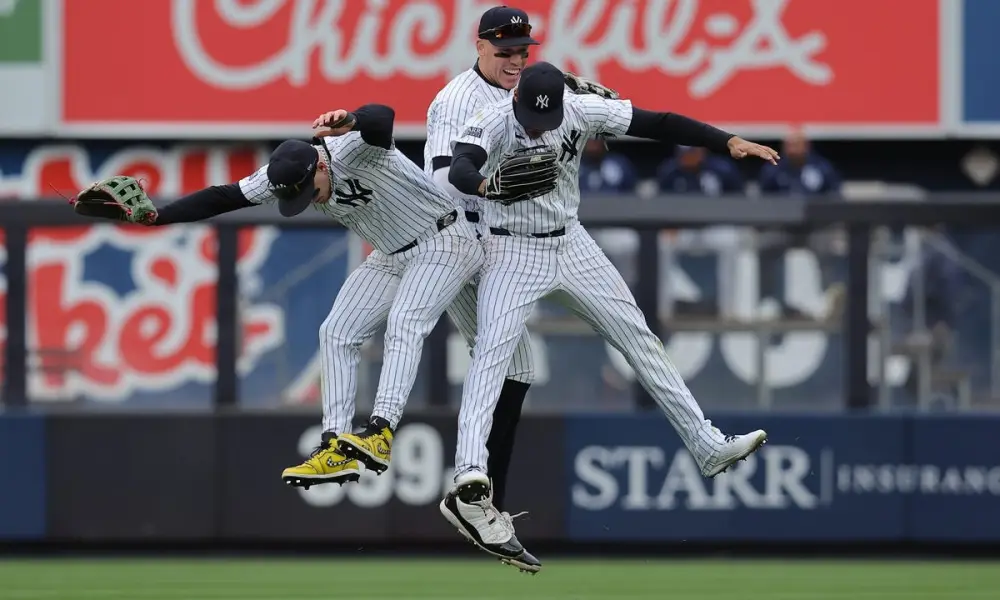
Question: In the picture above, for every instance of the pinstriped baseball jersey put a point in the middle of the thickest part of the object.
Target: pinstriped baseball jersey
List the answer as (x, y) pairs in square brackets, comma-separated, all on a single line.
[(453, 106), (497, 131), (379, 194)]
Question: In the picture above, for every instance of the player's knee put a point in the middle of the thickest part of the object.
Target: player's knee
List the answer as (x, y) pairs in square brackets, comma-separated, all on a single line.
[(333, 333), (400, 328)]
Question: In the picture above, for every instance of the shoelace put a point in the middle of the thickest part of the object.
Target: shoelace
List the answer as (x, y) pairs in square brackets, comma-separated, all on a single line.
[(322, 446), (508, 519)]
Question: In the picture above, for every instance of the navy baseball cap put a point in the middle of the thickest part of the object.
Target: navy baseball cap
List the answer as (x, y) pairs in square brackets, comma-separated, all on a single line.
[(506, 27), (539, 103), (291, 171)]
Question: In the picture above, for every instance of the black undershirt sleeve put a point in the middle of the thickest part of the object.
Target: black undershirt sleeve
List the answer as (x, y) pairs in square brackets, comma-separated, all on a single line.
[(440, 162), (465, 164), (203, 204), (375, 123), (677, 129)]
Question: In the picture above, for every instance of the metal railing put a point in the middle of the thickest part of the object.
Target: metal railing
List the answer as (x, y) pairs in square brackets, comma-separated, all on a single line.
[(647, 216)]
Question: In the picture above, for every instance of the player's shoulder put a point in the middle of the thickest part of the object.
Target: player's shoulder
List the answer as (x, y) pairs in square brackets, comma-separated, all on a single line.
[(461, 85), (501, 108)]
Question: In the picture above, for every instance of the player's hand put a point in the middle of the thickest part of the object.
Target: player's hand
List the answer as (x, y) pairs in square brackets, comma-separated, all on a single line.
[(335, 122), (740, 148)]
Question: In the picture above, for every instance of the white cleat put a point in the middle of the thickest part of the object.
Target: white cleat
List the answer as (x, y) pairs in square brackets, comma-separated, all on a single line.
[(736, 448), (469, 508)]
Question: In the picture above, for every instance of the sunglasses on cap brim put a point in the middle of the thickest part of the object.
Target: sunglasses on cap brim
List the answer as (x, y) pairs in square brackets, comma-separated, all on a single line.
[(507, 31)]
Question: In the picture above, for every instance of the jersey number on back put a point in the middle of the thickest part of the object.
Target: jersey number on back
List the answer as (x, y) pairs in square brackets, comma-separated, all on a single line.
[(355, 194), (569, 149)]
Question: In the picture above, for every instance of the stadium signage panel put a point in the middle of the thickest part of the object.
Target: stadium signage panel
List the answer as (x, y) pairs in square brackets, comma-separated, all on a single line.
[(819, 478), (251, 69)]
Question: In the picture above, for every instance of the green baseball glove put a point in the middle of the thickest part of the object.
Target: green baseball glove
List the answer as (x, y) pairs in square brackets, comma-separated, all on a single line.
[(580, 85), (117, 198)]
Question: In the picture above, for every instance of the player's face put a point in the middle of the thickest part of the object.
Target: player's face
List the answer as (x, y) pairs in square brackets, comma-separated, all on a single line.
[(502, 66)]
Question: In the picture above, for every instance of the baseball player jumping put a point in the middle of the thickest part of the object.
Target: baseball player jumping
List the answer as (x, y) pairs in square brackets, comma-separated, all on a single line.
[(504, 39), (424, 253), (503, 50), (537, 248)]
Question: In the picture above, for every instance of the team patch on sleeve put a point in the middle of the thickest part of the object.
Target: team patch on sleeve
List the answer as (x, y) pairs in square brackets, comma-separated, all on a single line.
[(474, 132)]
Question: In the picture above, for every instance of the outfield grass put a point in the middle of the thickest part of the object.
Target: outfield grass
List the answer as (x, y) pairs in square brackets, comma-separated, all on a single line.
[(482, 579)]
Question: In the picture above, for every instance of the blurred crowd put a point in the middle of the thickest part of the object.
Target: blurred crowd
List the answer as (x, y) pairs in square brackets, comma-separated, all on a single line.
[(802, 172)]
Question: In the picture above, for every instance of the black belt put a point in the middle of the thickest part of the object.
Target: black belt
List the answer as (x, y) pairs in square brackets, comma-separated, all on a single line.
[(556, 233), (443, 222), (471, 217)]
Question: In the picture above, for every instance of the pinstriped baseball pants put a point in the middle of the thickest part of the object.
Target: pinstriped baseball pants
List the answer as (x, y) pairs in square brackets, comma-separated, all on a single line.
[(573, 271), (408, 292)]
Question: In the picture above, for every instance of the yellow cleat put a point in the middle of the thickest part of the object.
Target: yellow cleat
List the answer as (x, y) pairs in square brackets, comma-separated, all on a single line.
[(327, 464), (372, 447)]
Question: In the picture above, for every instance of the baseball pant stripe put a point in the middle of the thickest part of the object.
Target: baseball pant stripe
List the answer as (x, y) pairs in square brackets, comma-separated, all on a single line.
[(601, 297), (520, 273), (430, 282), (359, 310), (464, 314)]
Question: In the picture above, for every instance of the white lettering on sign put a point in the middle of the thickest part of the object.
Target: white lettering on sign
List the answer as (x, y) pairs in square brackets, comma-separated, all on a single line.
[(424, 39)]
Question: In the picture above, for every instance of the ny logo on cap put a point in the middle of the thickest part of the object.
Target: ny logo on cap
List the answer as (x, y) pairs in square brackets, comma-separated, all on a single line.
[(542, 101), (515, 19)]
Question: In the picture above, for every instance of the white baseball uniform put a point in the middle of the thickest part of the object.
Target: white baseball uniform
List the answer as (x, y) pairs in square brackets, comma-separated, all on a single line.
[(453, 106), (539, 249), (385, 198)]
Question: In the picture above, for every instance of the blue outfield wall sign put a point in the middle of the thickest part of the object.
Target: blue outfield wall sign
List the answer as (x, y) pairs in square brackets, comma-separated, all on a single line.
[(22, 477), (822, 478)]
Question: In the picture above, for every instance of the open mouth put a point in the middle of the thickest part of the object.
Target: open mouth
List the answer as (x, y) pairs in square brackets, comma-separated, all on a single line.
[(512, 72)]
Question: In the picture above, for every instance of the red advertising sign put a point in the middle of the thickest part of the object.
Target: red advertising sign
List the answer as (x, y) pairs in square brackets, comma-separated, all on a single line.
[(244, 68)]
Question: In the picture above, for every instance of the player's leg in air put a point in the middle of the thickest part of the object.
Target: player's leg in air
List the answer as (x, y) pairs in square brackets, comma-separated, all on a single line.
[(507, 414), (360, 308), (596, 291), (430, 281), (505, 302)]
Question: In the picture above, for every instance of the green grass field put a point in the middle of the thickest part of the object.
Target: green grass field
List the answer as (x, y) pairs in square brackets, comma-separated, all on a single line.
[(349, 579)]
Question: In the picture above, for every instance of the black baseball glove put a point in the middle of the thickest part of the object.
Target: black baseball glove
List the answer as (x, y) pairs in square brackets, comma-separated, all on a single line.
[(527, 174)]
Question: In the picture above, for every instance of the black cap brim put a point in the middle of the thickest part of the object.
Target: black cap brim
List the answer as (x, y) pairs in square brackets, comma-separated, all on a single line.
[(538, 121), (293, 206), (513, 42)]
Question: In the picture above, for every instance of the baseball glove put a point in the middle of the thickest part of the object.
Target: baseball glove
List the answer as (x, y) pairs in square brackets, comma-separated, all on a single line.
[(117, 198), (579, 85), (526, 174)]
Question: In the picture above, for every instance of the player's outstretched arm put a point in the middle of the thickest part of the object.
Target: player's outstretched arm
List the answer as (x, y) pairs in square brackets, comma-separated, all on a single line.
[(203, 204), (678, 129), (123, 198), (374, 122)]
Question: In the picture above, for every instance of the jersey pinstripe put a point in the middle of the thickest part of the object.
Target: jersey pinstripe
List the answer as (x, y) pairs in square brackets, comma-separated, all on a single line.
[(455, 104), (379, 194), (496, 130)]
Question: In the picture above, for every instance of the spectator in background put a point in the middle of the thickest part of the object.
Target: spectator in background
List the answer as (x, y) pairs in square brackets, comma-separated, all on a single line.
[(603, 171), (694, 171), (801, 172), (606, 172)]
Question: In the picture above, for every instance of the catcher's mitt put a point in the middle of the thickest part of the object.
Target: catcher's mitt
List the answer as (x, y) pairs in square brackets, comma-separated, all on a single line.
[(118, 198), (579, 85), (527, 174)]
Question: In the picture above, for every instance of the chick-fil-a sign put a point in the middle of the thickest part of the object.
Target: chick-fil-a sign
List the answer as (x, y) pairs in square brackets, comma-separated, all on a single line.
[(199, 63)]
